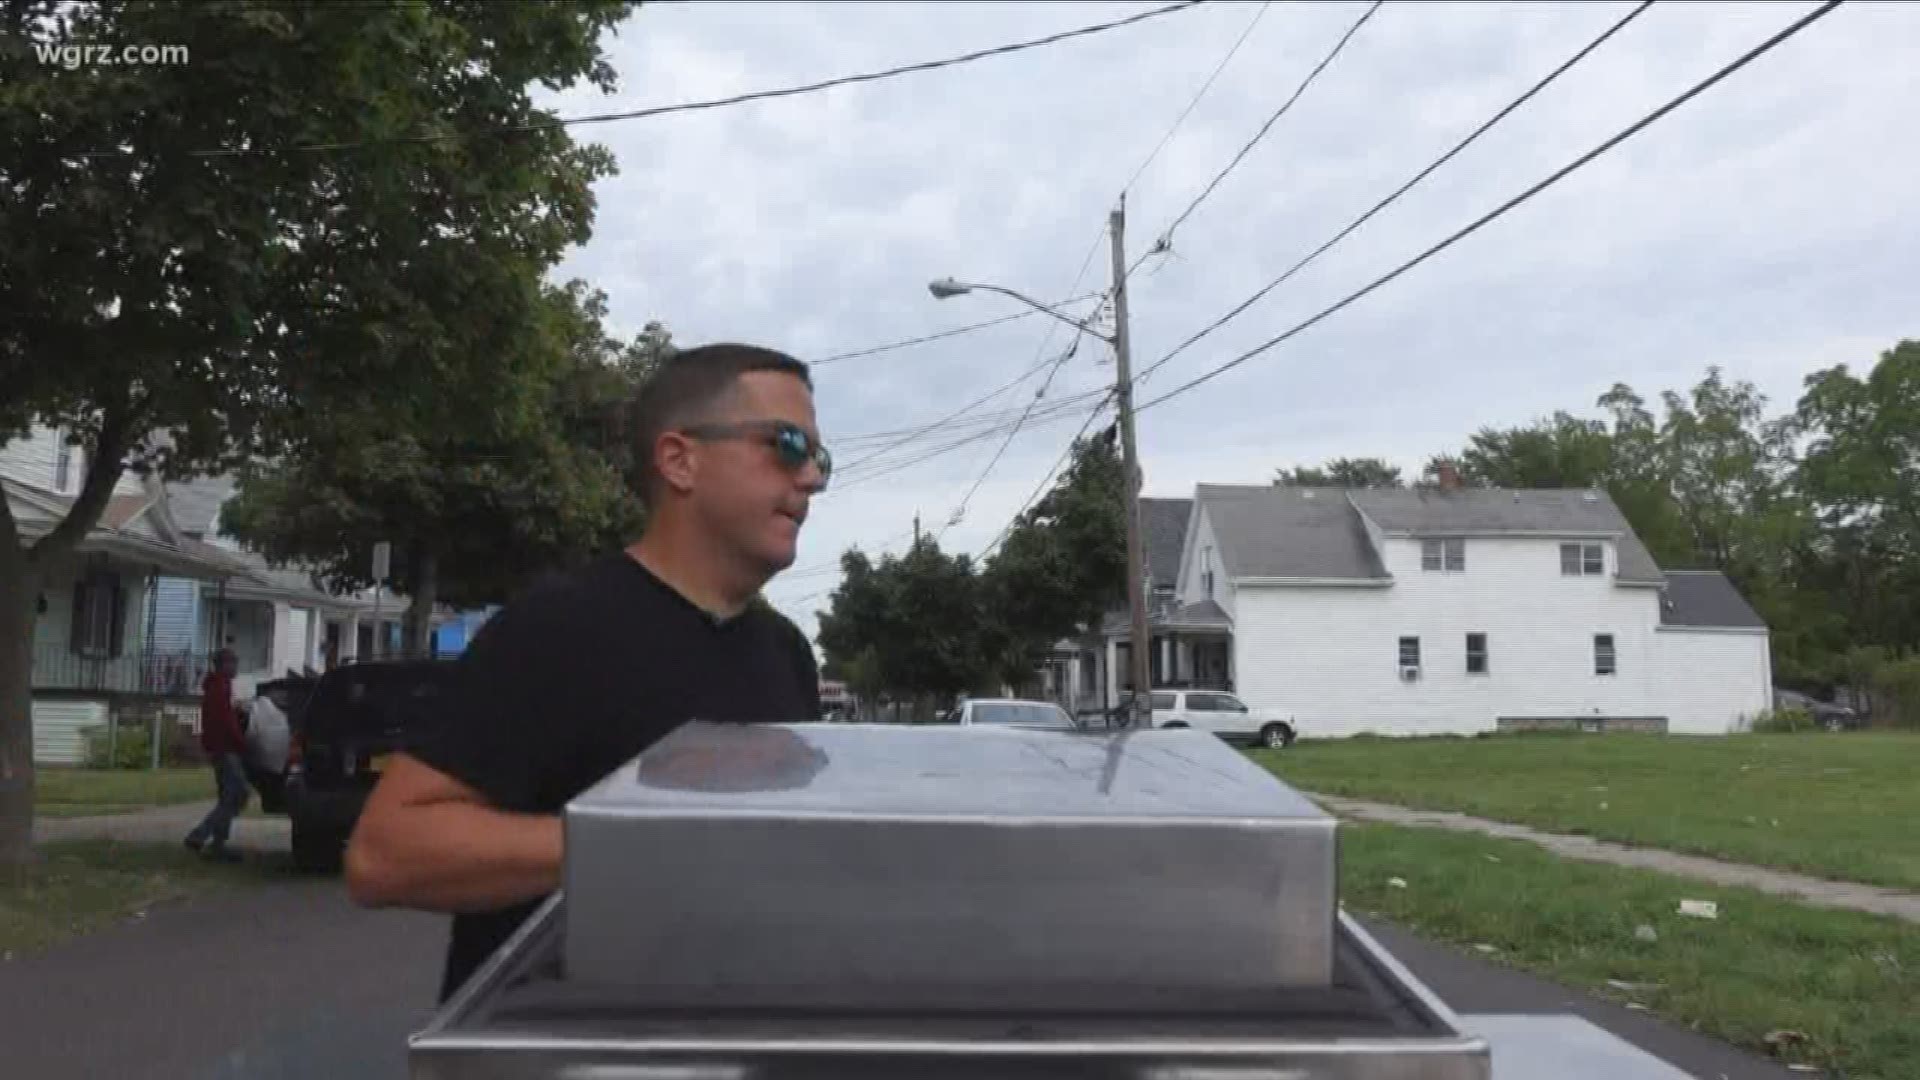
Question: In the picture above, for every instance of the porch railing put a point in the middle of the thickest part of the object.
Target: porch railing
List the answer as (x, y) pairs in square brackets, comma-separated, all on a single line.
[(163, 674)]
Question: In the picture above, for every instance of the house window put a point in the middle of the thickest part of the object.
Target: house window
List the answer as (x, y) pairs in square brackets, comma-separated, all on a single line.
[(1206, 571), (1447, 555), (99, 615), (1604, 660), (1476, 654), (1582, 559), (62, 465), (1409, 652)]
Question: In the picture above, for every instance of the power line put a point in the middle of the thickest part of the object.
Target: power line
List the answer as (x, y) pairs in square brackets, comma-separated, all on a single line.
[(967, 499), (1050, 412), (988, 423), (1140, 170), (1059, 464), (1195, 102), (716, 103), (938, 335), (1402, 190), (1751, 55), (1087, 261), (1166, 235), (1048, 417)]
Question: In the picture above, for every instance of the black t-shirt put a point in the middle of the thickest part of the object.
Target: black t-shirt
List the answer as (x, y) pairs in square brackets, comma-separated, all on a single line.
[(581, 674)]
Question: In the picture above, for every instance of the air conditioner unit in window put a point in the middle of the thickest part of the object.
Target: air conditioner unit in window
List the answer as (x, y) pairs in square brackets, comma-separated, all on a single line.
[(1409, 672)]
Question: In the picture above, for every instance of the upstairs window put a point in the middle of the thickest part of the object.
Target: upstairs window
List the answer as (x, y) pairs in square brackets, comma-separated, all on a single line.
[(1444, 555), (1577, 560)]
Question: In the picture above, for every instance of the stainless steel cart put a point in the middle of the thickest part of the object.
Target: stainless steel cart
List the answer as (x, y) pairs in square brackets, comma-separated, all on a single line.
[(1083, 855), (521, 1019)]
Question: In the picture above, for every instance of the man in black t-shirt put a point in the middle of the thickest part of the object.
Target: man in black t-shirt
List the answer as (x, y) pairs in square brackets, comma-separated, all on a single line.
[(582, 673)]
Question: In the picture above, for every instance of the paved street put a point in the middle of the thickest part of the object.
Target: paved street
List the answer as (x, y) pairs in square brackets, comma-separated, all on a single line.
[(288, 981)]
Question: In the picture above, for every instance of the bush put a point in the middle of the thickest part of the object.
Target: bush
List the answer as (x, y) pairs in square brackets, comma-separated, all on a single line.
[(1782, 721), (1897, 685), (132, 745)]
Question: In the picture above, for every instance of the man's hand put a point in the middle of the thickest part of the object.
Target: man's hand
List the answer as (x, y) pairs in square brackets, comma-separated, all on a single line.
[(428, 841)]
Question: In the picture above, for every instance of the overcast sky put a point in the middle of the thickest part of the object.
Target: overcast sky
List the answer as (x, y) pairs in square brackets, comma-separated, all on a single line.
[(1766, 227)]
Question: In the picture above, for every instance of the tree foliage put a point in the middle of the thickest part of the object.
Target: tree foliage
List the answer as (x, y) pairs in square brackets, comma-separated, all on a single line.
[(1814, 515), (1342, 473), (212, 262), (476, 509), (932, 624)]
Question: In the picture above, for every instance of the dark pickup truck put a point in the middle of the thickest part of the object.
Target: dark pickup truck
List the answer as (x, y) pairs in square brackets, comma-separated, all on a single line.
[(356, 718)]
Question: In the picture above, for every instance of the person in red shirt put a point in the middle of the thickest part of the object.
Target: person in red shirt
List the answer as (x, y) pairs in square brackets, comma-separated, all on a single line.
[(224, 741)]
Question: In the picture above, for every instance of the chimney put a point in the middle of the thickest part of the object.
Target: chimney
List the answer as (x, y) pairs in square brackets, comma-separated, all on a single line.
[(1449, 476)]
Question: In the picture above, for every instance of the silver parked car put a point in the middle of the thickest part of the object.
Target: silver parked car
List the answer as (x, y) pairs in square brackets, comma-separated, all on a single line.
[(1009, 712)]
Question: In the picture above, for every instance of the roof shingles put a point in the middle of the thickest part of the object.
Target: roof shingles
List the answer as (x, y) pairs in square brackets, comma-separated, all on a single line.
[(1289, 532)]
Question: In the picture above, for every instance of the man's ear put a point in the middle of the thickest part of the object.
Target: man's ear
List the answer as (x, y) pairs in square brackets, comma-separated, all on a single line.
[(676, 459)]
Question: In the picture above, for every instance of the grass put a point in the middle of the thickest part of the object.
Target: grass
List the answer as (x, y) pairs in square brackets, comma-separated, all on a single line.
[(1848, 983), (80, 792), (78, 887), (1840, 806)]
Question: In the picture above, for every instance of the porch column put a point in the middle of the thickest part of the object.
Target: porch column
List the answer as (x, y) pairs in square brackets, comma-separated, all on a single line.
[(1112, 682), (280, 639), (350, 637), (1168, 673)]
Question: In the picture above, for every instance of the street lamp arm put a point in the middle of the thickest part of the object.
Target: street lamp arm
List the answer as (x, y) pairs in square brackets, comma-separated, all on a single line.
[(949, 287)]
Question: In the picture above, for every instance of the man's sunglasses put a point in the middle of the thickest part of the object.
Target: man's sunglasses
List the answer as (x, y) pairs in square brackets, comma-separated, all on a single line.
[(790, 442)]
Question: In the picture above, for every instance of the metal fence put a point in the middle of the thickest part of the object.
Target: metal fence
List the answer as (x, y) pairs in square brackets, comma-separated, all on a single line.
[(163, 674)]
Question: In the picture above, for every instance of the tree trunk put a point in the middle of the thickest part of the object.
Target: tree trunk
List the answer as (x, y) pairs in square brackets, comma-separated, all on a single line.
[(18, 590), (416, 627)]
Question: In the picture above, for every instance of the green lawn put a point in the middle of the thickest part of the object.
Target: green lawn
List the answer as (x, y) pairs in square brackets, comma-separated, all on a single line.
[(1835, 805), (81, 886), (1848, 983), (78, 792)]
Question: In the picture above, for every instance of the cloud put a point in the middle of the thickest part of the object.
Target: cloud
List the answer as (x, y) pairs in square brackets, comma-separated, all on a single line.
[(1761, 227)]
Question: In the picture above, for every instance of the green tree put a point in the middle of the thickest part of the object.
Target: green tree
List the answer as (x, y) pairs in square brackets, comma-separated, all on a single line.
[(473, 511), (910, 624), (1343, 473), (1860, 470), (1061, 565), (191, 279)]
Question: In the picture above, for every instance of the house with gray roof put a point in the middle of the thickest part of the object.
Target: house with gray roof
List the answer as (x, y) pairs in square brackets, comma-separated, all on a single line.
[(1442, 610), (1081, 674), (275, 618)]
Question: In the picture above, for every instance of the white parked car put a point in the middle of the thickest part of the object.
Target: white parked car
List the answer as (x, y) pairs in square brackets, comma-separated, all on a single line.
[(1007, 712), (1222, 714)]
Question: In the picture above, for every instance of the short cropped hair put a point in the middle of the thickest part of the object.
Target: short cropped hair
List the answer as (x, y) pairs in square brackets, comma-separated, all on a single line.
[(688, 384)]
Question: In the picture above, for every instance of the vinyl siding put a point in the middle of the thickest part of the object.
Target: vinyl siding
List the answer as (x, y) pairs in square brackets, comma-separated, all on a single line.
[(176, 623), (59, 730), (1715, 680), (1329, 655), (1192, 582), (31, 460)]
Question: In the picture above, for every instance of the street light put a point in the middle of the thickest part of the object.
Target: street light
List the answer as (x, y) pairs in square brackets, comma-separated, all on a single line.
[(1141, 641), (946, 288)]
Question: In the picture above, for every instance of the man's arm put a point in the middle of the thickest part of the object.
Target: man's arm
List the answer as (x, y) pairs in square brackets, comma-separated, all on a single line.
[(429, 841), (462, 820)]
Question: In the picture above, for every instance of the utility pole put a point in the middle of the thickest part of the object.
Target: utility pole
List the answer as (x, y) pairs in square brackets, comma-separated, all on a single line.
[(1140, 650)]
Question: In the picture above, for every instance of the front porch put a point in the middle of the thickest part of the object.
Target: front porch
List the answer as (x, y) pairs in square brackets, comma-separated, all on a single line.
[(1192, 649), (94, 647)]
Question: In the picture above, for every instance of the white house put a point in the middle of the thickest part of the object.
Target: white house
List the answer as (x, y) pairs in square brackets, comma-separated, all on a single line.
[(93, 645), (275, 619), (1453, 611)]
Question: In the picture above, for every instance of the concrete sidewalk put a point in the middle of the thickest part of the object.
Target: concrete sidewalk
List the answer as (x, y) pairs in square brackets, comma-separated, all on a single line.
[(1846, 895), (162, 825)]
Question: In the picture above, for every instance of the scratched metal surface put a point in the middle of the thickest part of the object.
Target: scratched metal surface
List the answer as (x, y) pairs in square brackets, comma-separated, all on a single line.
[(905, 867)]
